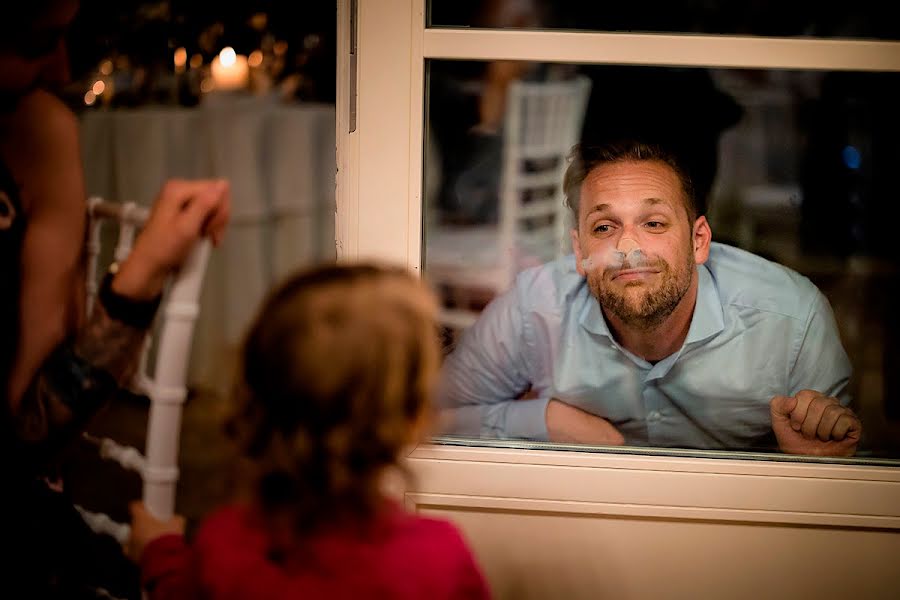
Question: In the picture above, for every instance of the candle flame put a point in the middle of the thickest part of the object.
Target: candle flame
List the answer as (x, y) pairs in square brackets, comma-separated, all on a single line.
[(227, 56), (180, 58)]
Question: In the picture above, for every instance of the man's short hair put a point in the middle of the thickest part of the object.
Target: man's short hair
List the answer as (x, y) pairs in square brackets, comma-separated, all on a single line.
[(585, 158)]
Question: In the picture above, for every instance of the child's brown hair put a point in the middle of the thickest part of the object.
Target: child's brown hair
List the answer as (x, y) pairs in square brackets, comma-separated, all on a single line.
[(338, 369)]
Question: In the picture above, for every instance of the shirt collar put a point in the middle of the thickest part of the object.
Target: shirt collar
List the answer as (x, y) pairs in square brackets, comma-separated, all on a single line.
[(708, 318), (592, 318)]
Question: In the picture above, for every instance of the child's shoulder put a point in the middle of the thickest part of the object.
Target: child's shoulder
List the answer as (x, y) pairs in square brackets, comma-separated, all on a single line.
[(428, 538), (442, 555), (415, 524)]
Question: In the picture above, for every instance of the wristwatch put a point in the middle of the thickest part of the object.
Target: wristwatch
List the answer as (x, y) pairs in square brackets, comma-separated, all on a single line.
[(135, 313)]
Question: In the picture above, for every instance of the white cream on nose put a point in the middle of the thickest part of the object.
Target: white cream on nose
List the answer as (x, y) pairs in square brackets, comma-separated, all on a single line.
[(613, 258), (626, 245), (603, 259)]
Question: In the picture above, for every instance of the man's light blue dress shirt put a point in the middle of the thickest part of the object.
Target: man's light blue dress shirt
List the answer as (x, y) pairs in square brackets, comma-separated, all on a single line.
[(758, 330)]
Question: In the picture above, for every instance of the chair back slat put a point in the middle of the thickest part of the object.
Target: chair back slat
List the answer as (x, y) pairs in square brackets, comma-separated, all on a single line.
[(543, 123)]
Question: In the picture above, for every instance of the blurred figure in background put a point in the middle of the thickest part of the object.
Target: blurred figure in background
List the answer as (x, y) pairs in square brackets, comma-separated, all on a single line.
[(467, 104), (55, 370)]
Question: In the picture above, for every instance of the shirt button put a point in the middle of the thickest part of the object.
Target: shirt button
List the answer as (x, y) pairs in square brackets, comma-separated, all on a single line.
[(654, 415)]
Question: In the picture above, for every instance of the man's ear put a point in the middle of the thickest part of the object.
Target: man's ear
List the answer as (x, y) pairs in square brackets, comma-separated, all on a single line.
[(702, 238), (579, 257)]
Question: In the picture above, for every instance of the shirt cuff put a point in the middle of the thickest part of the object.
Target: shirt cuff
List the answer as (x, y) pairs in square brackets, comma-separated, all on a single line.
[(526, 419)]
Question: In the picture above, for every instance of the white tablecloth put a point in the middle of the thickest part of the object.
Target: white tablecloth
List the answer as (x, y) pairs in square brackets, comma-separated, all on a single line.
[(280, 159)]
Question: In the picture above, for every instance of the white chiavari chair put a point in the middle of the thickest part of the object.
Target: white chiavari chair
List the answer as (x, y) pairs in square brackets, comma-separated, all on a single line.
[(162, 373)]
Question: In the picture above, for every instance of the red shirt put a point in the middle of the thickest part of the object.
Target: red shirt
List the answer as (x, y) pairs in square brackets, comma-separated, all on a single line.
[(403, 556)]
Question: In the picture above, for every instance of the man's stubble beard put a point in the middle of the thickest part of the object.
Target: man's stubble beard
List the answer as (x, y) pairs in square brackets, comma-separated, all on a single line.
[(648, 310)]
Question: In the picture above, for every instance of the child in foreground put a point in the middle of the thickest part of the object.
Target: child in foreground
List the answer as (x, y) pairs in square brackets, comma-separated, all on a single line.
[(338, 371)]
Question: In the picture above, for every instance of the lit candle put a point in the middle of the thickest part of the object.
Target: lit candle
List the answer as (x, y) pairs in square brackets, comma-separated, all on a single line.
[(230, 70), (180, 60)]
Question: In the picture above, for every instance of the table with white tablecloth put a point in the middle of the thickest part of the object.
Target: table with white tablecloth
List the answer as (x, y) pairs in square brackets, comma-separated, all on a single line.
[(280, 160)]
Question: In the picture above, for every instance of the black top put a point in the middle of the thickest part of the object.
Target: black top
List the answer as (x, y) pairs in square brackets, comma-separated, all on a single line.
[(51, 553)]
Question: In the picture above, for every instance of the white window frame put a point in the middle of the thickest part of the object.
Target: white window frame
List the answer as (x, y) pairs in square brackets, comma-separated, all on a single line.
[(379, 215)]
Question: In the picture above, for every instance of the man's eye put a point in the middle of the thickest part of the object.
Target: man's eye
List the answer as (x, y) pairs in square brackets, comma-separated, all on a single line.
[(655, 224), (601, 228)]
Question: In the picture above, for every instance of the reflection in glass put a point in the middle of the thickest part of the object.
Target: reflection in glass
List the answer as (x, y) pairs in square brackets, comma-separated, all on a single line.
[(801, 18), (791, 166)]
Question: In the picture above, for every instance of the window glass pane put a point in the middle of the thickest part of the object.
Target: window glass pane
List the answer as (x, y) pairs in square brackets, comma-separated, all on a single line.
[(865, 19), (792, 170)]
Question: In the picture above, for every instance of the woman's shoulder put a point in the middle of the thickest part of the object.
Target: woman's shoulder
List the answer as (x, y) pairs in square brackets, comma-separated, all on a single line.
[(39, 120), (40, 144)]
